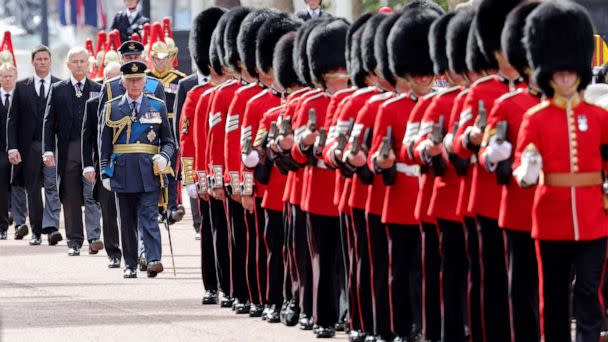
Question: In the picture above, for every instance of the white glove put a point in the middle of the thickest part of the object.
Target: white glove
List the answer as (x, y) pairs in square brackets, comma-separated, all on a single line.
[(448, 142), (192, 190), (251, 160), (496, 152), (529, 170), (160, 161), (106, 184)]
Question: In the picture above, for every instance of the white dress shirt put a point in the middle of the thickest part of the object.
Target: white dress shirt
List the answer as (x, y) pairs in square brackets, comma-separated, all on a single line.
[(47, 84), (202, 79)]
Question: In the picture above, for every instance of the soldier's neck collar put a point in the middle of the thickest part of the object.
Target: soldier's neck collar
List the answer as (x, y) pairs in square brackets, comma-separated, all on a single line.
[(413, 96), (244, 82), (262, 85), (567, 102), (535, 92), (511, 83), (275, 92)]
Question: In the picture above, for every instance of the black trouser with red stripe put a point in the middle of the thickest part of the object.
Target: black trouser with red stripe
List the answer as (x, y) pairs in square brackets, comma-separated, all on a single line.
[(324, 238), (342, 269), (207, 249), (494, 282), (238, 251), (523, 286), (556, 259), (453, 279), (219, 229), (378, 255), (301, 251), (431, 263), (290, 284), (351, 276), (474, 291), (364, 286), (273, 238), (405, 263), (256, 254)]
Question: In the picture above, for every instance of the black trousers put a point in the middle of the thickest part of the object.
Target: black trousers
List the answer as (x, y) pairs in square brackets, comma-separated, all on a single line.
[(404, 252), (352, 285), (342, 269), (556, 259), (494, 281), (196, 214), (303, 261), (5, 194), (290, 284), (431, 263), (33, 181), (256, 255), (523, 286), (219, 230), (111, 237), (364, 283), (273, 238), (453, 279), (72, 196), (324, 237), (474, 280), (207, 248), (378, 256), (238, 250)]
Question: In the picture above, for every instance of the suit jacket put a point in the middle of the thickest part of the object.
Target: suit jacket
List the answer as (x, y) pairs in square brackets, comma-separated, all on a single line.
[(90, 148), (58, 118), (3, 121), (304, 15), (183, 87), (24, 119), (121, 23)]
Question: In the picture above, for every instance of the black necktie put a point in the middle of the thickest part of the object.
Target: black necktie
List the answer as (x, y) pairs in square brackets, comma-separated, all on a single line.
[(7, 99), (41, 93)]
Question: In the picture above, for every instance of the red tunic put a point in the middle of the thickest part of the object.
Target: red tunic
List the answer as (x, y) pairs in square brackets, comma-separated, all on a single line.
[(272, 199), (465, 182), (571, 143), (400, 197), (201, 122), (485, 192)]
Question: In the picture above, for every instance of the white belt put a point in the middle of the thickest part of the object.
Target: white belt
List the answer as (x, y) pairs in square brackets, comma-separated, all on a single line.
[(321, 164), (408, 170)]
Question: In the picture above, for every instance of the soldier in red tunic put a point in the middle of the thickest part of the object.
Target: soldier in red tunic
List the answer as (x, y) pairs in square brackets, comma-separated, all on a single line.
[(562, 148)]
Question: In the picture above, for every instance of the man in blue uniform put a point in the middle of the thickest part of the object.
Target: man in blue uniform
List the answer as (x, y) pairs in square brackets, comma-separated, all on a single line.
[(136, 146)]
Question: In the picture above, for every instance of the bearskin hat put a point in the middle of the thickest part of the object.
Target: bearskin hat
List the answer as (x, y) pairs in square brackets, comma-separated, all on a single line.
[(269, 34), (476, 60), (408, 44), (367, 42), (430, 4), (300, 59), (380, 47), (490, 20), (360, 22), (282, 61), (246, 39), (200, 37), (438, 42), (457, 35), (357, 72), (323, 60), (234, 18), (512, 35), (214, 56), (559, 37)]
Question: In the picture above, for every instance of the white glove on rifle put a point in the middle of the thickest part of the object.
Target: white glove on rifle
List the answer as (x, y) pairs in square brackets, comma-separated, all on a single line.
[(161, 161), (192, 190), (496, 152), (528, 172), (106, 184)]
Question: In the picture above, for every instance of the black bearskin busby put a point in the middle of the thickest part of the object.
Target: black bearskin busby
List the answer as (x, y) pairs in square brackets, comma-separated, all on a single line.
[(476, 60), (300, 59), (246, 39), (408, 44), (367, 42), (321, 59), (282, 62), (430, 4), (559, 37), (438, 43), (381, 49), (269, 34), (214, 55), (489, 21), (456, 38), (234, 18), (512, 35), (357, 24), (219, 40), (200, 37)]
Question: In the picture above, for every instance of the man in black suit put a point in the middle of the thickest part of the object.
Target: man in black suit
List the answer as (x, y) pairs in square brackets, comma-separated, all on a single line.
[(24, 145), (62, 133), (313, 10), (90, 166), (129, 21), (8, 76)]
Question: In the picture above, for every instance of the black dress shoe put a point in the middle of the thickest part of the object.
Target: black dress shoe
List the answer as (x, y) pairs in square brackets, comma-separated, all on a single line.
[(129, 273), (340, 326), (95, 246), (325, 332), (235, 302), (284, 311), (370, 338), (210, 297), (274, 314), (35, 241), (177, 214), (3, 235), (255, 310), (226, 302), (305, 322), (54, 238), (356, 336), (143, 264), (74, 251), (114, 262), (242, 308), (266, 311), (21, 231), (154, 267)]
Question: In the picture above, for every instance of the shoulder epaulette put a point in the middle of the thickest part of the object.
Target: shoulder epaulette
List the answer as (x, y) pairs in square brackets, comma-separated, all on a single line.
[(381, 97), (363, 91), (314, 97), (448, 90), (210, 90), (538, 107), (178, 73), (259, 95), (273, 109), (429, 96), (198, 86), (245, 87), (227, 84), (300, 91), (509, 95), (484, 80), (154, 98), (342, 91), (395, 99), (464, 92)]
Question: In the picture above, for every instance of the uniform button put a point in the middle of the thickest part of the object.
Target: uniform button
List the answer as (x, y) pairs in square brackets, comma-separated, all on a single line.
[(575, 159), (575, 168), (574, 143), (574, 152), (572, 127), (573, 135), (137, 142)]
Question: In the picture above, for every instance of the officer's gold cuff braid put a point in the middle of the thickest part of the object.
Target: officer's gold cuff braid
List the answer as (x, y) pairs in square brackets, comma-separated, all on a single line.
[(188, 170)]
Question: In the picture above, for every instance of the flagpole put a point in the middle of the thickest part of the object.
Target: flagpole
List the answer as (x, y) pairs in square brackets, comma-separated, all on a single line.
[(44, 25)]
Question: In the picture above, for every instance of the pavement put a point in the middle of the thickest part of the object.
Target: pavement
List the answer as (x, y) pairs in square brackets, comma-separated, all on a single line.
[(47, 295)]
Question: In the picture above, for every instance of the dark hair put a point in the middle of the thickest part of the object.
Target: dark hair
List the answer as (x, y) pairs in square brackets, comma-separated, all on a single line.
[(40, 48)]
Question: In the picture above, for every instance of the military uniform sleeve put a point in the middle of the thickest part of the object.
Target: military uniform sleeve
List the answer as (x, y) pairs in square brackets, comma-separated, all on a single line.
[(167, 144)]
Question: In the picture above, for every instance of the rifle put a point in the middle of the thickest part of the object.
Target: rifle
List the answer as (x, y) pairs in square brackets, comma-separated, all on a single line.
[(312, 120), (367, 139), (343, 137), (272, 133), (355, 147), (482, 117), (501, 131), (437, 135), (320, 143), (455, 129), (387, 143), (285, 128)]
